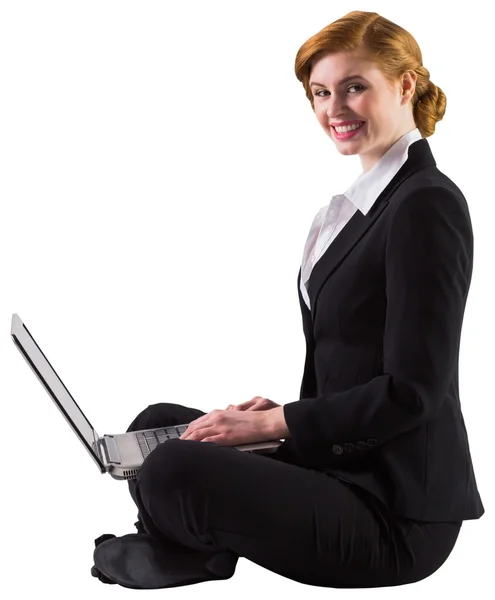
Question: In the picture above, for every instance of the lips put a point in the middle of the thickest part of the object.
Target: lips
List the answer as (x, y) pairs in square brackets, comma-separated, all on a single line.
[(345, 123), (348, 134)]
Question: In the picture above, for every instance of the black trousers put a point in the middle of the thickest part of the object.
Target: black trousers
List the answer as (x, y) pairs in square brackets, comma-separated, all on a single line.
[(298, 522)]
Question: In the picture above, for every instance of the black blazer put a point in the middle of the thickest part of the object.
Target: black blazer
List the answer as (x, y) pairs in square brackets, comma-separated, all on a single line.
[(379, 403)]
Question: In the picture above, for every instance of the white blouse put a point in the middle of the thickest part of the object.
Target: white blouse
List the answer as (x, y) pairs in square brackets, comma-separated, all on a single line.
[(363, 193)]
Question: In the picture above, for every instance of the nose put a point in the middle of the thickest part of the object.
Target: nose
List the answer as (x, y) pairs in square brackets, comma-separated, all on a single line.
[(336, 107)]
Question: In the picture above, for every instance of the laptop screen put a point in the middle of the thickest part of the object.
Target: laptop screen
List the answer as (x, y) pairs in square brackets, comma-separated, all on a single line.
[(55, 387)]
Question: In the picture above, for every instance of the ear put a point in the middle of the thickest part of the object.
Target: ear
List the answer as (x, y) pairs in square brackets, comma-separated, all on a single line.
[(408, 86)]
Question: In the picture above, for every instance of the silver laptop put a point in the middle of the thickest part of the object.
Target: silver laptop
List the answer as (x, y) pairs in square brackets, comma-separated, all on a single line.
[(120, 455)]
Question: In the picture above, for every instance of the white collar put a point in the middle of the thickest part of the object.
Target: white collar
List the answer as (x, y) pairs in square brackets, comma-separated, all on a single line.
[(368, 186)]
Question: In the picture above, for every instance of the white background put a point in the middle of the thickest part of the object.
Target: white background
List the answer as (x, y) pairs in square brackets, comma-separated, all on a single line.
[(160, 169)]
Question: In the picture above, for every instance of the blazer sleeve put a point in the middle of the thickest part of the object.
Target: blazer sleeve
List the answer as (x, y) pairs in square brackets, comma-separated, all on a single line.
[(429, 257)]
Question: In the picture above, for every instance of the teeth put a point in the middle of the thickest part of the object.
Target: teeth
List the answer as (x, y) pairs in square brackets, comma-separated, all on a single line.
[(347, 128)]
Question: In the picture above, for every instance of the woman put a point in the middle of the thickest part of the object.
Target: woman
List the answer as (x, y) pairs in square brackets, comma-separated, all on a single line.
[(374, 478)]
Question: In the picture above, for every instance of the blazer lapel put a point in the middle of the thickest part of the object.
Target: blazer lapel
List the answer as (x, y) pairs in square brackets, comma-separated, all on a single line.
[(419, 156)]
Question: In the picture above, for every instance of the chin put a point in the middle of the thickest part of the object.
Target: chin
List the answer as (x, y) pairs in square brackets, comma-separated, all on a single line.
[(344, 148), (346, 151)]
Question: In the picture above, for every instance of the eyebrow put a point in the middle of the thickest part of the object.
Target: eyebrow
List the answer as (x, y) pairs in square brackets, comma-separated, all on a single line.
[(341, 81)]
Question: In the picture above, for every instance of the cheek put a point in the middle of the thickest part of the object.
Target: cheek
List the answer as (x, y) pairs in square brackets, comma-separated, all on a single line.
[(362, 106), (322, 117)]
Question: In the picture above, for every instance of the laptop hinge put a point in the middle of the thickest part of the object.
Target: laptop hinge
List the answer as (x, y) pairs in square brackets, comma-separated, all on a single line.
[(111, 450), (101, 450)]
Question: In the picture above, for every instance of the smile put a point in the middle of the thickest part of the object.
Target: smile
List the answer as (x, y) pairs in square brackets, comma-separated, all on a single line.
[(348, 132)]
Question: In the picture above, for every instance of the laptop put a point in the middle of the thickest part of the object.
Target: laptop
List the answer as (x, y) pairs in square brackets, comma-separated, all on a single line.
[(120, 455)]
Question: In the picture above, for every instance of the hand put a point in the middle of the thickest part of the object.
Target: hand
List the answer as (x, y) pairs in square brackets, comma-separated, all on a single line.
[(257, 403), (229, 428)]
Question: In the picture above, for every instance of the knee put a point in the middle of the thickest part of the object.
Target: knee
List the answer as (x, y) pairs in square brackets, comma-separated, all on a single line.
[(175, 464), (151, 417)]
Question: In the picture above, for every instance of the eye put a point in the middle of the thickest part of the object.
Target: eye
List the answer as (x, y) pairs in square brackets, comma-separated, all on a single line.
[(361, 87)]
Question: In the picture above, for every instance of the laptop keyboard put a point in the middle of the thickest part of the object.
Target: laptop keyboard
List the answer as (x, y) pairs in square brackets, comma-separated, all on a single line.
[(149, 440)]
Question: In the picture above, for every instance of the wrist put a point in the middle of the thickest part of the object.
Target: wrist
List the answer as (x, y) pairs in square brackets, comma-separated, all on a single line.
[(276, 427)]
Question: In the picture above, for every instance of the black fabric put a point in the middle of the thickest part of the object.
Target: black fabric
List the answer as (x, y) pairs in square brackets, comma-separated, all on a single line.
[(140, 561), (95, 571), (294, 520), (379, 402)]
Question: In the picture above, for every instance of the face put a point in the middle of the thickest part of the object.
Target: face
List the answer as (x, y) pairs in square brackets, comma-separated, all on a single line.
[(385, 110)]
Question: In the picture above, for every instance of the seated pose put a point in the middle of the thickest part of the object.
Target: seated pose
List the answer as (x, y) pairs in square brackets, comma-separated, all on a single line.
[(374, 477)]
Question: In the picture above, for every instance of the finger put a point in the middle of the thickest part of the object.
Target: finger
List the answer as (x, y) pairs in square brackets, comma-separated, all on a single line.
[(187, 433), (194, 425), (205, 422), (246, 405), (197, 434), (254, 405)]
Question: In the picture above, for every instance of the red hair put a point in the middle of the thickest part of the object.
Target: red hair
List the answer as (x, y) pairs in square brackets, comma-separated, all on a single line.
[(388, 45)]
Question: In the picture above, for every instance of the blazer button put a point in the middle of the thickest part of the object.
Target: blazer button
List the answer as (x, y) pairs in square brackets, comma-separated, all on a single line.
[(337, 449), (372, 442), (349, 447), (361, 445)]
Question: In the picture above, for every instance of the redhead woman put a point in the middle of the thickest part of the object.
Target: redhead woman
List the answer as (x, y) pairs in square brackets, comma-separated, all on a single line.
[(374, 477)]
